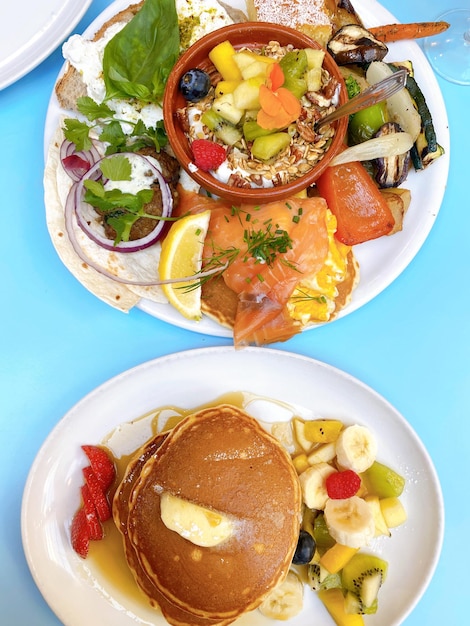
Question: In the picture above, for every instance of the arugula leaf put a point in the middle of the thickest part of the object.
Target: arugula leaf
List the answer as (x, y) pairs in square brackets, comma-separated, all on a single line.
[(139, 58)]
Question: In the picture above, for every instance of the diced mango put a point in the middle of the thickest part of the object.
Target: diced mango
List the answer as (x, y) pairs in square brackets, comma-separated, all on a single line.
[(333, 600), (222, 57), (300, 463), (322, 431), (336, 557), (393, 511)]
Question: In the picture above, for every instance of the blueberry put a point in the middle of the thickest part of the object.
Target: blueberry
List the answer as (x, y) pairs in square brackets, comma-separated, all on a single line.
[(305, 549), (195, 85)]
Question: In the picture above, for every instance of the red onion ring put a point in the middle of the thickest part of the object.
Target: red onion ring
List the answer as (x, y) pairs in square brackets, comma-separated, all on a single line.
[(74, 168), (69, 227), (124, 246)]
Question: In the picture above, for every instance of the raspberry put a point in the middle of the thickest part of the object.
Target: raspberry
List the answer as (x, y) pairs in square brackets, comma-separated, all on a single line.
[(341, 485), (207, 154)]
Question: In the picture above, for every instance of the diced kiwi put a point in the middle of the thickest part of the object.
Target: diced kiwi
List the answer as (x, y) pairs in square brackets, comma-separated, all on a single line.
[(382, 481), (224, 106), (267, 147), (364, 575), (222, 129), (353, 605), (321, 535), (319, 578), (251, 130), (294, 65)]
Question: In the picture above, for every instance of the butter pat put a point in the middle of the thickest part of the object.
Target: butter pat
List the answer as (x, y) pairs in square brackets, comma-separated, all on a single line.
[(203, 527)]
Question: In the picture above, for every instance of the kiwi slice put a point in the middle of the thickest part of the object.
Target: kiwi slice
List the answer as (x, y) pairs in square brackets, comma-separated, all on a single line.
[(222, 129), (363, 575), (251, 130), (268, 146), (382, 481), (322, 537), (319, 578), (353, 604), (294, 64)]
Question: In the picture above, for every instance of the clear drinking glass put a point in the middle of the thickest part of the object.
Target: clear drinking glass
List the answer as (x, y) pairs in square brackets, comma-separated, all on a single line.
[(449, 52)]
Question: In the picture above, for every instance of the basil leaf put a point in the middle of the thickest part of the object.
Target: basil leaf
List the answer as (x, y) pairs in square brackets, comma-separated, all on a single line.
[(138, 59)]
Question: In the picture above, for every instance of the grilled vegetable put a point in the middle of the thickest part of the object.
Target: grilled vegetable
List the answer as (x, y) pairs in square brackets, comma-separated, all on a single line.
[(426, 149), (391, 171), (355, 44)]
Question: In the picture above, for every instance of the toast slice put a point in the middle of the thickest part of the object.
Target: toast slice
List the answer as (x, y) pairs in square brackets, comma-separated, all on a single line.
[(70, 86), (319, 19)]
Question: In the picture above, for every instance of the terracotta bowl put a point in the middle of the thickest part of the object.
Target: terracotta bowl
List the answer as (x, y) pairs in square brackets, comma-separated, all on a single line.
[(254, 35)]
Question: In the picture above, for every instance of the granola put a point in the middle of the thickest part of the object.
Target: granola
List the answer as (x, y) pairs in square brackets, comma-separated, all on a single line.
[(307, 146)]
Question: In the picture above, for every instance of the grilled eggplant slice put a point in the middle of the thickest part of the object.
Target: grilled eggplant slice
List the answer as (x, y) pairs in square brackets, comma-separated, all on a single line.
[(391, 171), (354, 44)]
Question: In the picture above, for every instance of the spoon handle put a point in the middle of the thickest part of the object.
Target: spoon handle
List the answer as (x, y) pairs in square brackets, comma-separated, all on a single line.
[(372, 95)]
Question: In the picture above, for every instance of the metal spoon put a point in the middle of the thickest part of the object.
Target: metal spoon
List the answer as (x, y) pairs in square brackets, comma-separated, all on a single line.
[(372, 95)]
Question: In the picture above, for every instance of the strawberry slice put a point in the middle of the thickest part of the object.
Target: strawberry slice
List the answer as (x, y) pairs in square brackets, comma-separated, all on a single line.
[(94, 524), (102, 465), (98, 495), (80, 533)]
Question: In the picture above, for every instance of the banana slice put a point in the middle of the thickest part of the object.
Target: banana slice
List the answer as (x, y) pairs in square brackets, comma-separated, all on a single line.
[(350, 521), (313, 484), (356, 448), (286, 600)]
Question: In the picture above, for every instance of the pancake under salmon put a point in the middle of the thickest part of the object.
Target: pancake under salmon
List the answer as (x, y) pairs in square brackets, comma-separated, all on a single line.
[(223, 460), (271, 250)]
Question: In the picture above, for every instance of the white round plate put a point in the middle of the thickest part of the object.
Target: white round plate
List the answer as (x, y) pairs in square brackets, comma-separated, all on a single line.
[(81, 596), (382, 260), (32, 30)]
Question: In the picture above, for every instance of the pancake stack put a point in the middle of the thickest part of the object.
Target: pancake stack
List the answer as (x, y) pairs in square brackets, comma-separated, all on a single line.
[(222, 460)]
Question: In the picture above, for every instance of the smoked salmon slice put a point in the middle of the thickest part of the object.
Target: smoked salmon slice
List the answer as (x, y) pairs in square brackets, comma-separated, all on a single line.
[(270, 248)]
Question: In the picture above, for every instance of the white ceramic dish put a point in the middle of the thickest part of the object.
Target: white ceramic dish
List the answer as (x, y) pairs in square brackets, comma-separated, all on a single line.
[(383, 260), (32, 30), (79, 595)]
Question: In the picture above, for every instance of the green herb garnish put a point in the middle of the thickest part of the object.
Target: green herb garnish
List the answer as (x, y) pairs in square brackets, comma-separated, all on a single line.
[(110, 129), (137, 60)]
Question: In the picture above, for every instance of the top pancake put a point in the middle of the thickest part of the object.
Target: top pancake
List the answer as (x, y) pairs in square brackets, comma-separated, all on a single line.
[(222, 459), (173, 614)]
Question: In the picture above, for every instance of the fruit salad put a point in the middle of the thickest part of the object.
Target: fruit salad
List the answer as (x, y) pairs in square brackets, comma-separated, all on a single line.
[(350, 498), (259, 109)]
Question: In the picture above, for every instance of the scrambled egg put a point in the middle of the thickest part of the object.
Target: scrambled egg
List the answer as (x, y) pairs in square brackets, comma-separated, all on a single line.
[(314, 300)]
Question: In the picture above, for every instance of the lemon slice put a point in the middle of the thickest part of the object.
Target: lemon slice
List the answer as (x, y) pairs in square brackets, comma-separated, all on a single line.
[(181, 256)]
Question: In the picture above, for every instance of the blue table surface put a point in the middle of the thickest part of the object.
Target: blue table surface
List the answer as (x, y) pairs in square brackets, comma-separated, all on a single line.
[(58, 342)]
